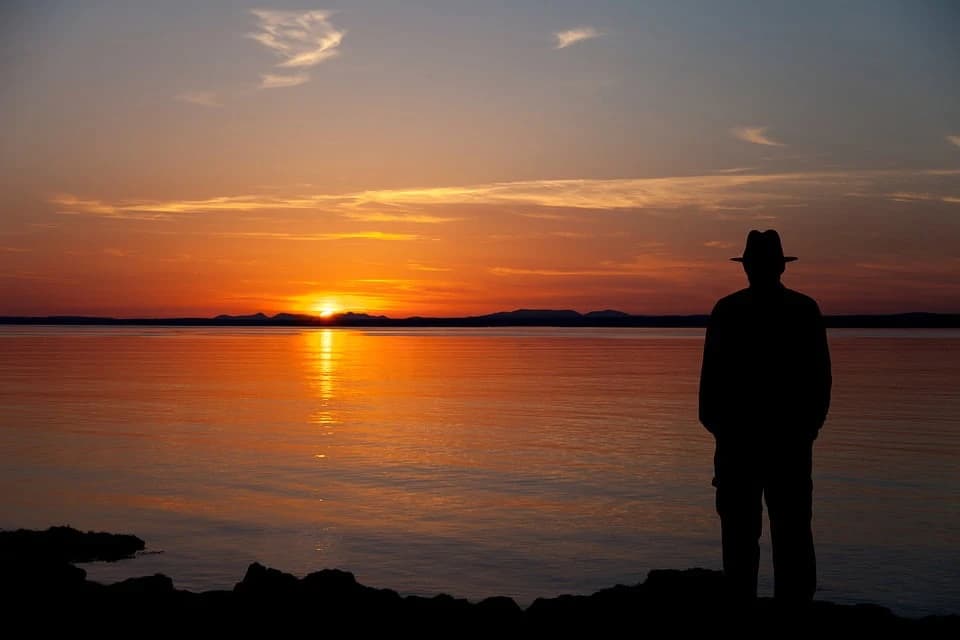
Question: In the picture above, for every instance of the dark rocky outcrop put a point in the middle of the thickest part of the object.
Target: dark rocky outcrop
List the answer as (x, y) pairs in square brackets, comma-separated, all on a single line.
[(48, 592), (41, 561), (69, 545)]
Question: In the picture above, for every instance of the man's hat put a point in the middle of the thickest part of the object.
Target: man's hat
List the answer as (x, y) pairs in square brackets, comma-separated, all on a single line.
[(763, 246)]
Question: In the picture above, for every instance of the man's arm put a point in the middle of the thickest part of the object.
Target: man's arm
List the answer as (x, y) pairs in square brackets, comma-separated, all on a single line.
[(711, 376), (823, 376)]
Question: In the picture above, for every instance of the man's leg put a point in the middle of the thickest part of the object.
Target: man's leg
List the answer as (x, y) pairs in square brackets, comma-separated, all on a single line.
[(789, 496), (740, 506)]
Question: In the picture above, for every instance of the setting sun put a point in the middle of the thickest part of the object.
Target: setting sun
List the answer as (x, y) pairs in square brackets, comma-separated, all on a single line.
[(325, 309)]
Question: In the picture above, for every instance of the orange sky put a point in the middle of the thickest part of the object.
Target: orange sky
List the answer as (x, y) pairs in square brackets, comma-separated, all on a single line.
[(388, 161)]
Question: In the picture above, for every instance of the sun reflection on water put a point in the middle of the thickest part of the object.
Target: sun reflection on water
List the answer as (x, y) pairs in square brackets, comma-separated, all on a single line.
[(321, 347)]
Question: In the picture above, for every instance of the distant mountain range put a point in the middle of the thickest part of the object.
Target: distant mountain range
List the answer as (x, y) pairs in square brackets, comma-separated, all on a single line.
[(518, 318)]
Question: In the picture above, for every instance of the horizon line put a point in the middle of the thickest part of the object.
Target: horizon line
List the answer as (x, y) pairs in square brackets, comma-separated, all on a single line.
[(609, 318), (376, 314)]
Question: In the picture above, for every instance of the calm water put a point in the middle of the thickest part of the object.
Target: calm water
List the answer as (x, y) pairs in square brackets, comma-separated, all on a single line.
[(522, 462)]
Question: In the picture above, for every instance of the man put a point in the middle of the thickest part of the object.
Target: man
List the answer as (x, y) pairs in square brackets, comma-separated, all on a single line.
[(764, 394)]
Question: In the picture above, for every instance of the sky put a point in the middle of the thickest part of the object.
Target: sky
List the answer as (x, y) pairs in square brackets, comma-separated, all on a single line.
[(469, 156)]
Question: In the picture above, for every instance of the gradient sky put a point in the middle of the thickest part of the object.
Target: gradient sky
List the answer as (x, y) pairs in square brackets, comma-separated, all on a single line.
[(468, 156)]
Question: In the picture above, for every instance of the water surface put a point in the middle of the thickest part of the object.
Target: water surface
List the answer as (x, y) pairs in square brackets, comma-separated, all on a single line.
[(523, 462)]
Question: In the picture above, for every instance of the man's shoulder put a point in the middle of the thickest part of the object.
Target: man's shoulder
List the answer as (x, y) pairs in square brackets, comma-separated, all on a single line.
[(797, 299), (732, 301), (744, 298)]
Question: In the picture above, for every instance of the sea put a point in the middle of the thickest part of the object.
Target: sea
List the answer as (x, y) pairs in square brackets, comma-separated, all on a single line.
[(524, 462)]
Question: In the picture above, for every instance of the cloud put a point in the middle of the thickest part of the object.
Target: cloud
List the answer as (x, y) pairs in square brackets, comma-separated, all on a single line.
[(208, 205), (118, 253), (398, 217), (559, 273), (727, 194), (271, 81), (735, 170), (712, 192), (718, 244), (350, 235), (944, 269), (954, 140), (543, 215), (32, 275), (300, 39), (571, 234), (413, 266), (905, 196), (573, 36), (649, 266), (81, 205), (201, 98), (755, 135)]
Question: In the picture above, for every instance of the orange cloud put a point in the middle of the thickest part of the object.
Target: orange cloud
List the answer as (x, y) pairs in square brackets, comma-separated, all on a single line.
[(755, 135), (712, 192)]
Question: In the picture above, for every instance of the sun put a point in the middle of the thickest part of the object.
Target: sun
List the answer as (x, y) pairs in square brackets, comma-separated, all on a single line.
[(325, 308)]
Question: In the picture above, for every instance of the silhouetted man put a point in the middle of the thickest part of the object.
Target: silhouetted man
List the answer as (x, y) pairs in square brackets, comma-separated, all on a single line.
[(764, 394)]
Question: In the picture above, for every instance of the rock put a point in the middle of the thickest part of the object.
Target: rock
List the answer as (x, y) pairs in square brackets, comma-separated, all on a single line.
[(274, 602), (69, 545), (263, 581), (155, 585), (498, 612), (499, 606), (330, 582), (38, 562)]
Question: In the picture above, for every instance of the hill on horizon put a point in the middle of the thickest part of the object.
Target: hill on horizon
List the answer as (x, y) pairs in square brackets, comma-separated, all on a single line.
[(517, 317)]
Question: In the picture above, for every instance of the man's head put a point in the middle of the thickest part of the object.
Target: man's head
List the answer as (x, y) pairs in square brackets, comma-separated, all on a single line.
[(763, 259)]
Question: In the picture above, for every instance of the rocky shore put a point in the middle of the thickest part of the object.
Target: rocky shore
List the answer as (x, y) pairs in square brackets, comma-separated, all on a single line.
[(42, 587)]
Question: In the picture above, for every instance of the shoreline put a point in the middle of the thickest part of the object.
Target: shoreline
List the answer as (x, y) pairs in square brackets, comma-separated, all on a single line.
[(40, 569)]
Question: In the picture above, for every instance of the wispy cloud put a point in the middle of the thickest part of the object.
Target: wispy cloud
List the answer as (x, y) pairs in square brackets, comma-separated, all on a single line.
[(718, 244), (32, 275), (272, 81), (735, 170), (242, 203), (723, 194), (306, 237), (571, 234), (543, 215), (651, 266), (954, 140), (117, 253), (944, 268), (414, 266), (572, 36), (201, 98), (906, 196), (755, 135), (300, 39), (73, 204), (706, 192), (559, 273), (376, 216)]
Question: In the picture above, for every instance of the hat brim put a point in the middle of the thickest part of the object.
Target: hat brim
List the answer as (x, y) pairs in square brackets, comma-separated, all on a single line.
[(785, 259)]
